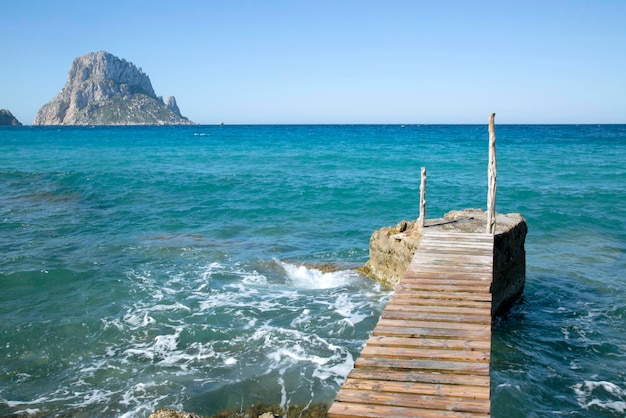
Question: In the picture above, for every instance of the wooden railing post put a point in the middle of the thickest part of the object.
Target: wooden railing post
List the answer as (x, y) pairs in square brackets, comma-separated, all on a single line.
[(422, 219), (491, 194)]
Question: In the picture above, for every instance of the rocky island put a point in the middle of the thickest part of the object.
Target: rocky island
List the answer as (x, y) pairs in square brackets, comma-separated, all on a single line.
[(7, 118), (103, 89)]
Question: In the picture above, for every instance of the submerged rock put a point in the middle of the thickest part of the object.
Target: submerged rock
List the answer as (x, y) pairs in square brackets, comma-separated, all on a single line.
[(103, 89)]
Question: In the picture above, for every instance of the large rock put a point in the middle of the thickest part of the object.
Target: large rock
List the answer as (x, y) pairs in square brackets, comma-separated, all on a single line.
[(103, 89), (391, 251), (7, 118), (392, 248)]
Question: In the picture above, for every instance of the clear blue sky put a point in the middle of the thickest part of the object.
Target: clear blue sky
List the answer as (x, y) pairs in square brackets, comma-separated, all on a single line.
[(264, 61)]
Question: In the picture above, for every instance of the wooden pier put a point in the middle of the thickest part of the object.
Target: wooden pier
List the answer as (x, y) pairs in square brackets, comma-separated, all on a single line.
[(429, 353)]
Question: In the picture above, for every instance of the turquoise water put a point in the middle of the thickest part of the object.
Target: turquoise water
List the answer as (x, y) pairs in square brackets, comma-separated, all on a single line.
[(148, 267)]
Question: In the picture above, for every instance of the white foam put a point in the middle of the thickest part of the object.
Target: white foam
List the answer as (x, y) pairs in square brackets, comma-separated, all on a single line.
[(94, 396), (28, 411), (311, 278), (303, 319), (595, 393), (137, 320), (254, 277), (283, 389), (209, 270), (113, 322), (331, 363), (257, 342), (172, 307), (163, 346), (344, 305), (13, 404), (337, 372), (139, 397)]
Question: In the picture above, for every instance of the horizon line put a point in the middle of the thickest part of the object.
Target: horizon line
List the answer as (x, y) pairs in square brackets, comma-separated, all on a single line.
[(323, 124)]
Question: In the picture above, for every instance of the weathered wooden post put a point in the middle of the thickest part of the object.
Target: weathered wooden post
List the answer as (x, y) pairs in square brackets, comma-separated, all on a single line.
[(491, 194), (422, 219)]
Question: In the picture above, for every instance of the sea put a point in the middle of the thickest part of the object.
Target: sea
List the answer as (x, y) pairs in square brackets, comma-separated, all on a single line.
[(210, 268)]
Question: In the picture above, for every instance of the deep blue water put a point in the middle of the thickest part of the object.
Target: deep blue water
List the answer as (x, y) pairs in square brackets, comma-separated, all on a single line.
[(148, 267)]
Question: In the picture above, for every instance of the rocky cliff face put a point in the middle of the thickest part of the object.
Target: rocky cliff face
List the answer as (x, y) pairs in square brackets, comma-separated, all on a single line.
[(7, 118), (104, 90)]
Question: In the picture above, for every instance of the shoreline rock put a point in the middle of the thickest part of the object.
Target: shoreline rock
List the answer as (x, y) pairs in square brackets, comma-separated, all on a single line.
[(172, 413), (259, 410)]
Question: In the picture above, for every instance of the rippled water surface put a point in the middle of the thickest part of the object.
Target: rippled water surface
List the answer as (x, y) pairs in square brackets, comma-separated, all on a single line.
[(183, 266)]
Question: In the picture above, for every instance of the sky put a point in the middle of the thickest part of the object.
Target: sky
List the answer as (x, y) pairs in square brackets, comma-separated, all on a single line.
[(326, 62)]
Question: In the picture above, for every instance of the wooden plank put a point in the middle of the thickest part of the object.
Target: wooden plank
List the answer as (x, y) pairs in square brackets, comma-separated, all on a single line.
[(454, 246), (435, 271), (456, 251), (479, 297), (445, 286), (465, 294), (457, 277), (446, 241), (455, 235), (478, 257), (434, 267), (457, 319), (483, 312), (430, 333), (462, 243), (454, 391), (408, 299), (349, 409), (458, 236), (414, 401), (442, 286), (452, 275), (451, 248), (420, 377), (438, 366), (426, 354), (441, 343), (416, 323), (483, 249), (474, 255), (429, 245)]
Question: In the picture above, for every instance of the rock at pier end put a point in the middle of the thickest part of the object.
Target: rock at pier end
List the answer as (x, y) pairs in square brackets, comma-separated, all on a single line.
[(392, 248)]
